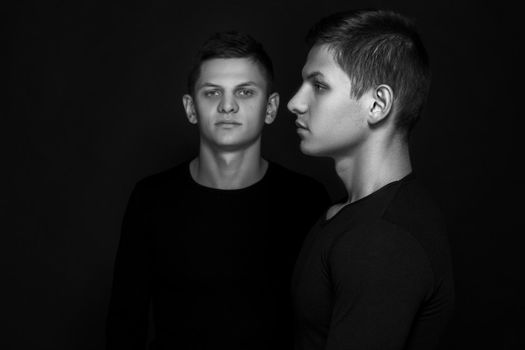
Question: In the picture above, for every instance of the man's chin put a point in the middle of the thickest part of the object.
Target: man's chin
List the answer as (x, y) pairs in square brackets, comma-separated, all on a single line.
[(307, 150)]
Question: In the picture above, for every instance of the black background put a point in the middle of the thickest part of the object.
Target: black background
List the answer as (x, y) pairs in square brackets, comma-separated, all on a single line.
[(94, 104)]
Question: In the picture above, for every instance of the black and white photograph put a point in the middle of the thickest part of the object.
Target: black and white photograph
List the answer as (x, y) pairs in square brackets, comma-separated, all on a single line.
[(262, 175)]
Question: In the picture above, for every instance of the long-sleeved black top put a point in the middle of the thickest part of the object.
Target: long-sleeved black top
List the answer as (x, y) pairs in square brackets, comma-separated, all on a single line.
[(377, 275), (215, 264)]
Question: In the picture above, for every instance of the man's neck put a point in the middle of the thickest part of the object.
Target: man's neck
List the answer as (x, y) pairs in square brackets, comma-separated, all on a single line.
[(372, 167), (228, 169)]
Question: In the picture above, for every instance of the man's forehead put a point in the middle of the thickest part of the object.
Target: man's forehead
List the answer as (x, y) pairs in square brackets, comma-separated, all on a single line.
[(319, 59), (231, 70)]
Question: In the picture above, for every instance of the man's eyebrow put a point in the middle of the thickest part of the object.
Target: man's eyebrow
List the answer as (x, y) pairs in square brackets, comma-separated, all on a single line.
[(248, 83), (243, 84), (209, 85), (313, 75)]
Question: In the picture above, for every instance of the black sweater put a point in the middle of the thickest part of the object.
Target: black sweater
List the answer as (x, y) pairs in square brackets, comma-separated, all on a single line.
[(375, 276), (215, 264)]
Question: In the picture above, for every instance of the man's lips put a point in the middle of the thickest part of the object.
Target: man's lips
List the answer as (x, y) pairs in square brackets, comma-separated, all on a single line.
[(300, 124), (227, 122)]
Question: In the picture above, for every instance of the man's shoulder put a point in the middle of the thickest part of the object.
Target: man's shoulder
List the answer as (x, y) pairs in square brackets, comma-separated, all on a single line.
[(413, 206), (172, 177), (414, 211), (300, 197), (298, 191), (294, 178), (405, 218)]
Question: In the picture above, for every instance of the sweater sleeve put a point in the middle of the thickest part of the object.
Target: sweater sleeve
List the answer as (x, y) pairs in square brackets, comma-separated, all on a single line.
[(379, 282), (127, 320)]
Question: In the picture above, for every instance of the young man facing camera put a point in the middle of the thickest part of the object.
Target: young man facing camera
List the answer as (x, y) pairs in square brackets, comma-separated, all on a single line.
[(211, 243), (375, 271)]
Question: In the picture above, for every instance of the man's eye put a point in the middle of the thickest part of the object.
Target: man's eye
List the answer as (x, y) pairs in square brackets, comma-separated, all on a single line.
[(245, 92), (319, 86), (212, 93)]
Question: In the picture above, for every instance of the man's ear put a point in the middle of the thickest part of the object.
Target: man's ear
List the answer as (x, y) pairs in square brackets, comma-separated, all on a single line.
[(189, 107), (271, 108), (382, 98)]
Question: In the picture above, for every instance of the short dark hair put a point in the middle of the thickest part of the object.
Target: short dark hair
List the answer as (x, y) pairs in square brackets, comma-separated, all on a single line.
[(378, 47), (232, 44)]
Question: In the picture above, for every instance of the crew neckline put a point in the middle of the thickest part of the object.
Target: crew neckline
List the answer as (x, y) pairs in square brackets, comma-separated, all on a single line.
[(361, 201), (255, 185)]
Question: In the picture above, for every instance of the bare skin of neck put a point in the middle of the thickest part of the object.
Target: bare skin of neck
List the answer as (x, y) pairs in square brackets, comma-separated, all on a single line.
[(228, 169), (376, 163)]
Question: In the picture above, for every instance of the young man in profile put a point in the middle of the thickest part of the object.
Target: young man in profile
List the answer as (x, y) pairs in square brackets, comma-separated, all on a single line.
[(375, 271), (211, 243)]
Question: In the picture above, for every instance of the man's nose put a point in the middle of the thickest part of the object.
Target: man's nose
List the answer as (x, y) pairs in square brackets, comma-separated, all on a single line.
[(297, 104), (228, 105)]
